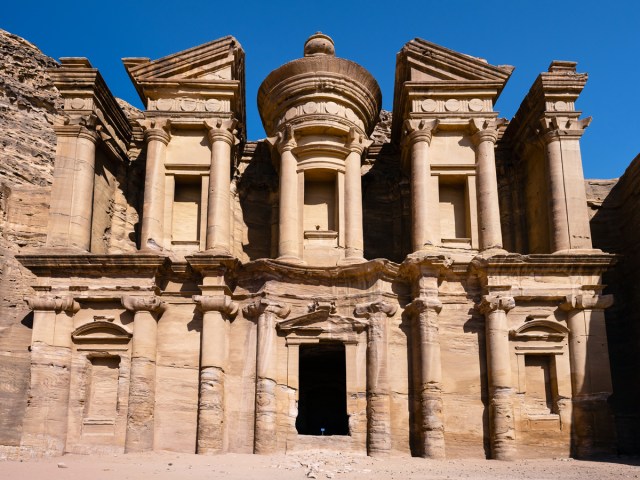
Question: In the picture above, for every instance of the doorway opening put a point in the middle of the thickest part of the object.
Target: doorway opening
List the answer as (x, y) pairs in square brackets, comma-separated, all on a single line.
[(322, 405)]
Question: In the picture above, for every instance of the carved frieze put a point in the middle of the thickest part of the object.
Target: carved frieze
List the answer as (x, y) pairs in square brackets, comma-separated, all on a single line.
[(182, 104), (451, 105), (322, 107)]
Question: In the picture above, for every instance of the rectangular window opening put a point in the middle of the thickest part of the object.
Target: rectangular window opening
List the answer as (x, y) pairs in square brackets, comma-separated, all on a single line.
[(319, 202), (186, 211), (540, 384), (454, 211)]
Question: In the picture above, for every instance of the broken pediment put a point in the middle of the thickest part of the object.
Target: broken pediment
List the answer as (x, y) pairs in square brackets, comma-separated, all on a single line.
[(216, 67), (422, 61), (321, 322), (435, 82)]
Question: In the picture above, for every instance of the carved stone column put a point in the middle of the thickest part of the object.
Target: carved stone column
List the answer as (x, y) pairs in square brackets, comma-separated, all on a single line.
[(567, 196), (592, 431), (501, 420), (425, 206), (429, 389), (142, 380), (354, 243), (266, 312), (157, 138), (222, 138), (217, 309), (289, 224), (485, 138), (71, 210), (44, 429), (378, 395)]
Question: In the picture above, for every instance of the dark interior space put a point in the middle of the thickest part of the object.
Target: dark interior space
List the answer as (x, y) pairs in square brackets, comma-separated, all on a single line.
[(323, 390)]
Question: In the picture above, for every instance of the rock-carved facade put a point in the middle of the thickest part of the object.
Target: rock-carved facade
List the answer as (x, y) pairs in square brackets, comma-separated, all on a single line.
[(436, 294)]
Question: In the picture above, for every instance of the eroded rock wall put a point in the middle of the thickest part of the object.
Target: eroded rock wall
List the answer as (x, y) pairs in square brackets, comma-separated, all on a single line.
[(28, 102)]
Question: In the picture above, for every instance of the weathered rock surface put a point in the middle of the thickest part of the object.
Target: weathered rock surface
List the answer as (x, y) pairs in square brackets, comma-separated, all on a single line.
[(28, 101), (28, 105)]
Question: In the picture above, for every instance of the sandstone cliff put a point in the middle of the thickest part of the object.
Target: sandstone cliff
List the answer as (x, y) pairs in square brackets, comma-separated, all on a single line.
[(28, 106), (28, 102)]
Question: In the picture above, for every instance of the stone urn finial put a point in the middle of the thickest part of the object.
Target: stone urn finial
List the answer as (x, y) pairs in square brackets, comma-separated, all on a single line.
[(319, 44)]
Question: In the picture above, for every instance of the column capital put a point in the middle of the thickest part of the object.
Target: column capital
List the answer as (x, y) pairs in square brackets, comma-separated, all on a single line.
[(357, 142), (218, 303), (419, 130), (135, 303), (495, 301), (586, 301), (424, 304), (555, 128), (222, 130), (158, 130), (379, 306), (285, 140), (52, 304), (483, 130), (264, 305), (80, 126)]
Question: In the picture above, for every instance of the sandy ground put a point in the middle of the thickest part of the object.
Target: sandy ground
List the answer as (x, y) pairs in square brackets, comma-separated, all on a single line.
[(308, 465)]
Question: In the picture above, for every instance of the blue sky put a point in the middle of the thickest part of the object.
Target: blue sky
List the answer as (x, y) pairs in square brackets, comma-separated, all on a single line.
[(603, 37)]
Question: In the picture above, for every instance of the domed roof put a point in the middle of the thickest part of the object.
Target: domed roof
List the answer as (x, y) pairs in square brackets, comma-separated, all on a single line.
[(319, 88)]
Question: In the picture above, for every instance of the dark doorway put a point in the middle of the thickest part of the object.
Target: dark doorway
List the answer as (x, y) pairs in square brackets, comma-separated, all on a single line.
[(323, 390)]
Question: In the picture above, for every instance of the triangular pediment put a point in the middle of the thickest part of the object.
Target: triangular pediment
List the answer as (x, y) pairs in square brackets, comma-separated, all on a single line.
[(422, 61)]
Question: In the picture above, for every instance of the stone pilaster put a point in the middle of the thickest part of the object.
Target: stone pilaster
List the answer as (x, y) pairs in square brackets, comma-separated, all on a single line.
[(289, 222), (142, 381), (222, 138), (428, 363), (71, 210), (45, 423), (592, 422), (217, 309), (425, 204), (501, 420), (569, 218), (156, 135), (266, 311), (485, 137), (378, 394), (354, 243)]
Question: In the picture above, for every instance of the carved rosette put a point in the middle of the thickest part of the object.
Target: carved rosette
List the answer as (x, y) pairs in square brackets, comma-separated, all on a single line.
[(52, 304)]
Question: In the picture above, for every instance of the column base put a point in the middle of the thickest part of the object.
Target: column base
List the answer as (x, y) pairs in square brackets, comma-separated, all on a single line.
[(351, 260), (579, 251), (216, 252), (291, 259)]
